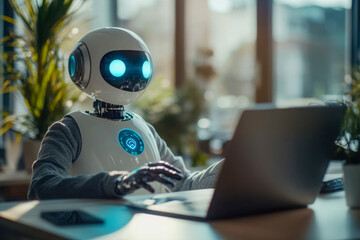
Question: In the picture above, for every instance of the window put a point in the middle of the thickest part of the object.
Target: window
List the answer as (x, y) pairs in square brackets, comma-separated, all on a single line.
[(153, 21), (220, 40), (310, 48), (5, 28)]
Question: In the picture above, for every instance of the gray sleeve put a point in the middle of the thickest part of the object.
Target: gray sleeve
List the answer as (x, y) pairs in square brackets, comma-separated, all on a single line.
[(191, 181), (51, 171)]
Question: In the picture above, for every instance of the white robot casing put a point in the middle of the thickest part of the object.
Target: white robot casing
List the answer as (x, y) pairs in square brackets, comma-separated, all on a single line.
[(102, 151), (110, 144)]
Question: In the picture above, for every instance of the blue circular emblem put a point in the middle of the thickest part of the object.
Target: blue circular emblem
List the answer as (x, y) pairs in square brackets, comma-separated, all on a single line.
[(131, 141)]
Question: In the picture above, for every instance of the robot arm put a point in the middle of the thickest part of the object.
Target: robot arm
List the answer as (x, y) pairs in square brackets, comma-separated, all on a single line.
[(162, 172)]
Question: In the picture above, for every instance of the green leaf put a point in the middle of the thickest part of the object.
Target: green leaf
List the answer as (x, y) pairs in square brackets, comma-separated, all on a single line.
[(8, 19), (37, 49)]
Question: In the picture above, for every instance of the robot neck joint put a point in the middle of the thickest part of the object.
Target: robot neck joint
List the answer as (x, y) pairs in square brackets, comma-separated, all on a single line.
[(110, 111)]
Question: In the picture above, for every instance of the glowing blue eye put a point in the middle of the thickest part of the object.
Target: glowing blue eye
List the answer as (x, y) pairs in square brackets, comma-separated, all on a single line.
[(72, 65), (117, 68), (146, 69)]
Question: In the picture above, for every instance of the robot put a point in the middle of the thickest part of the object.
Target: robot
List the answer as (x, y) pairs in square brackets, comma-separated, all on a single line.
[(114, 67)]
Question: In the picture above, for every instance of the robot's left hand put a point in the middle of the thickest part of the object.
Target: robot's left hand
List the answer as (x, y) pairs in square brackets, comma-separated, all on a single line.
[(162, 172)]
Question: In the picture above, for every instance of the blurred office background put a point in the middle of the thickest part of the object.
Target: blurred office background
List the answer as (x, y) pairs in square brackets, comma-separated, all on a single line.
[(213, 58)]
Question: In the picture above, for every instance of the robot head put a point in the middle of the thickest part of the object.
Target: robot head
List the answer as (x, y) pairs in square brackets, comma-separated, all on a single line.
[(112, 65)]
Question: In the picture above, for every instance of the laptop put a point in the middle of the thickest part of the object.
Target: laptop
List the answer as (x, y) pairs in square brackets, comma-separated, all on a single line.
[(275, 160)]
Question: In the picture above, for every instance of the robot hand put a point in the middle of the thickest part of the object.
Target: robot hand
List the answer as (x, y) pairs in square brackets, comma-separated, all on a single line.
[(162, 172)]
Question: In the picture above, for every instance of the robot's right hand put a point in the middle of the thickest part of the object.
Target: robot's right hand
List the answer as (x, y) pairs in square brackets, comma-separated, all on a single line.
[(162, 172)]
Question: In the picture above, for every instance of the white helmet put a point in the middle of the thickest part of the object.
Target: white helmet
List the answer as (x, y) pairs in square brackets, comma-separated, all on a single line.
[(112, 65)]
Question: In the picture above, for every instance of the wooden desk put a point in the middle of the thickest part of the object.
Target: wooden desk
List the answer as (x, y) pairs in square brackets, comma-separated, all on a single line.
[(14, 185), (327, 218)]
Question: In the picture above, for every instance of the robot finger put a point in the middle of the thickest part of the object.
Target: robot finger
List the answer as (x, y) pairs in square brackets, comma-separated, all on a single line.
[(165, 181), (166, 172), (164, 164), (168, 165), (147, 187)]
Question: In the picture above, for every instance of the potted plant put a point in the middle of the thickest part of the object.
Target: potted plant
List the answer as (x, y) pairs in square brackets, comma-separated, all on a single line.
[(36, 69), (348, 142)]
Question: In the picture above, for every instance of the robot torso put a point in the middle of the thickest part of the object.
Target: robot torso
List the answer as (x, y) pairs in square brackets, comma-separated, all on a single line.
[(112, 145)]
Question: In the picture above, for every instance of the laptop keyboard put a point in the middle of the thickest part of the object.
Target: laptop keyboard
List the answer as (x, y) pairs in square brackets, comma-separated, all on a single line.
[(333, 185)]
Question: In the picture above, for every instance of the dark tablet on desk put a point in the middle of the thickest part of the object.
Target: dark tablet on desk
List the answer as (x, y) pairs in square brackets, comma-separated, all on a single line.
[(70, 218)]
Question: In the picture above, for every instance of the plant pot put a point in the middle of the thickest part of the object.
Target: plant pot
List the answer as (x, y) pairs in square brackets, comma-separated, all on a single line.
[(12, 152), (352, 184), (30, 149)]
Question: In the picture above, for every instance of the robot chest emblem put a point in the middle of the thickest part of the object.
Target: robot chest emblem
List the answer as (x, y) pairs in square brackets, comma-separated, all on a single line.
[(131, 141)]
